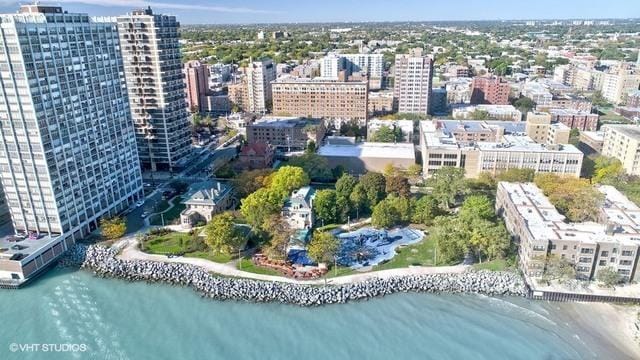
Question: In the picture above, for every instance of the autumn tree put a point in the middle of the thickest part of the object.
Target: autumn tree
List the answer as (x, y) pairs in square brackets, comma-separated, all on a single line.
[(608, 276), (222, 235), (558, 268), (248, 182), (398, 185), (280, 234), (323, 247), (112, 228)]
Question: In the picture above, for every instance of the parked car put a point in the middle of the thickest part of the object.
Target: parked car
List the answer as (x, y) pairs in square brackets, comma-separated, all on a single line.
[(144, 214), (139, 203)]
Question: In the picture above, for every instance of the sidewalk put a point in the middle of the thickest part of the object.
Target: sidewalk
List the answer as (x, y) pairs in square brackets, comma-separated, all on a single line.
[(131, 252)]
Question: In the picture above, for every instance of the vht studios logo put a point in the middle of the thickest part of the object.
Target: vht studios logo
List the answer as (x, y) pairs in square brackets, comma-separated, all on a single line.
[(15, 347)]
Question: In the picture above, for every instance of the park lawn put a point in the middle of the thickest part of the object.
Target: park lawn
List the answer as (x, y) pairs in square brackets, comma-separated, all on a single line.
[(245, 264), (171, 215), (171, 243), (507, 264), (420, 254), (610, 117), (208, 255)]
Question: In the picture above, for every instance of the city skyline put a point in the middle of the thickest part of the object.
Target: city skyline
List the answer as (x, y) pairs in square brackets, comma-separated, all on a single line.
[(288, 11)]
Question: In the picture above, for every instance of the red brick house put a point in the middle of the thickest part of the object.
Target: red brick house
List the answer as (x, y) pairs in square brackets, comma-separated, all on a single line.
[(257, 155)]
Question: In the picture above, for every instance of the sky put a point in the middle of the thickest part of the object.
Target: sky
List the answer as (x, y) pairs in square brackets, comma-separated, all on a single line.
[(292, 11)]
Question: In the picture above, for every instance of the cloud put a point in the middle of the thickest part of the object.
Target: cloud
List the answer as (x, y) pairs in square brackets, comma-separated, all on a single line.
[(159, 5)]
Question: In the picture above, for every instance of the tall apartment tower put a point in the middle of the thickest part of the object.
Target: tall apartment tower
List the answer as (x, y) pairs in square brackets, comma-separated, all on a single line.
[(156, 86), (68, 152), (260, 74), (490, 90), (413, 79), (197, 78)]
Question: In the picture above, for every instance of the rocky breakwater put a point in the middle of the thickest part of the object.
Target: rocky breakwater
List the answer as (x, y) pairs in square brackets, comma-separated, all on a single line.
[(103, 262)]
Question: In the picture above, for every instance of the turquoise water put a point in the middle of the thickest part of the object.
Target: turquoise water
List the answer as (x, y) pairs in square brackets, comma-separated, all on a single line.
[(120, 320)]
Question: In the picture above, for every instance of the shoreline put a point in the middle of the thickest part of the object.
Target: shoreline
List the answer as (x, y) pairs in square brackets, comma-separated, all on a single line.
[(104, 262)]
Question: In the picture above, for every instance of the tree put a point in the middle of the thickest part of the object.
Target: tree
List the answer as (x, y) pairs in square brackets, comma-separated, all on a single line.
[(113, 228), (488, 239), (516, 175), (576, 198), (221, 234), (390, 212), (558, 268), (387, 134), (447, 183), (248, 182), (477, 207), (358, 199), (287, 179), (323, 247), (311, 147), (374, 185), (598, 100), (280, 234), (425, 210), (608, 276), (345, 185), (258, 206), (607, 170), (450, 240), (414, 171), (324, 206), (398, 185), (179, 186), (524, 104), (316, 166)]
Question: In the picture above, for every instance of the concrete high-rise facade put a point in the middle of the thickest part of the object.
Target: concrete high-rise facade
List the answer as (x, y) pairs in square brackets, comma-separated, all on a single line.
[(197, 80), (68, 153), (156, 86), (413, 80), (260, 74)]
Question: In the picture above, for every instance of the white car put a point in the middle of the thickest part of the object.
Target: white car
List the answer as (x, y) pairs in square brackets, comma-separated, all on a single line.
[(144, 214), (140, 203)]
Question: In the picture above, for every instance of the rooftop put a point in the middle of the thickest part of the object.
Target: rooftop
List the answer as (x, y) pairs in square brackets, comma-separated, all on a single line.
[(11, 246), (285, 122), (370, 150), (545, 223), (632, 131)]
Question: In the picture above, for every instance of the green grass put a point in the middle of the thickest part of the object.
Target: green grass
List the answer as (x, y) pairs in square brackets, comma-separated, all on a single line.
[(207, 255), (420, 254), (340, 271), (171, 215), (609, 116), (245, 264), (174, 242), (507, 264)]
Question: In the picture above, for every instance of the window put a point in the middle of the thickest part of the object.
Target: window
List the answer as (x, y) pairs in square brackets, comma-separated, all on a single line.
[(627, 253), (564, 247), (584, 260), (602, 262), (586, 251), (604, 254), (625, 262)]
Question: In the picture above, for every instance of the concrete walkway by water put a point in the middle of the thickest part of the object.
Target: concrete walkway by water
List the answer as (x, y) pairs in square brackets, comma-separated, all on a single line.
[(131, 252)]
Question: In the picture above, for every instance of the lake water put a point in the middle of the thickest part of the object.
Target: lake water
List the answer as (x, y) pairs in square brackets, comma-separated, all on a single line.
[(114, 319)]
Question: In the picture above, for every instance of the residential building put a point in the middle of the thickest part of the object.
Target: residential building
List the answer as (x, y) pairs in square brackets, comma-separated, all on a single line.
[(381, 103), (298, 209), (538, 93), (439, 105), (359, 158), (494, 112), (257, 155), (491, 146), (542, 231), (633, 98), (156, 85), (204, 203), (334, 100), (238, 95), (569, 102), (413, 82), (216, 104), (405, 126), (197, 78), (68, 153), (616, 86), (490, 90), (458, 91), (541, 130), (286, 133), (369, 66), (623, 143), (457, 71), (575, 119), (260, 74), (591, 142)]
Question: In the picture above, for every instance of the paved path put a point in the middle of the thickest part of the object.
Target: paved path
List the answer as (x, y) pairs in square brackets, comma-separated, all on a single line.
[(131, 252)]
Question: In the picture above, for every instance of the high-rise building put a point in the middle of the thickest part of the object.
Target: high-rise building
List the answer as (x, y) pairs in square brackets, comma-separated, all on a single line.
[(623, 143), (413, 79), (156, 85), (197, 78), (260, 74), (334, 100), (68, 151), (490, 90), (369, 66)]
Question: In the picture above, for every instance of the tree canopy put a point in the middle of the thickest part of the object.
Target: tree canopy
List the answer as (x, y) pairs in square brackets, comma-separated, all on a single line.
[(113, 228), (447, 182), (222, 235), (323, 247)]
